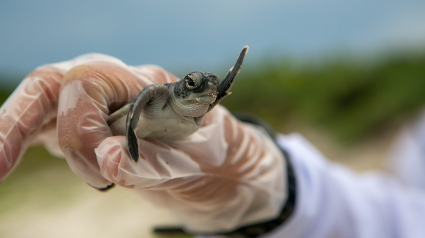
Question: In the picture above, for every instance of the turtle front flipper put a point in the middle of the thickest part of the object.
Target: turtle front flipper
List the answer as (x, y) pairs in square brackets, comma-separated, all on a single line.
[(223, 89), (136, 107)]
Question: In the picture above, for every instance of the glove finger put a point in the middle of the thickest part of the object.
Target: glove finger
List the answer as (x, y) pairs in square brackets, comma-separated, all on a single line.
[(88, 95), (32, 105), (159, 166), (160, 169)]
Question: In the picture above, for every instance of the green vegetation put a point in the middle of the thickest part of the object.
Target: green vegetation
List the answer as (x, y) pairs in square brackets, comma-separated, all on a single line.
[(3, 95), (350, 100)]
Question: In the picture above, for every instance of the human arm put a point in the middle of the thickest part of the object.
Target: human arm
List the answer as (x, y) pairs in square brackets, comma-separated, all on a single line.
[(333, 201)]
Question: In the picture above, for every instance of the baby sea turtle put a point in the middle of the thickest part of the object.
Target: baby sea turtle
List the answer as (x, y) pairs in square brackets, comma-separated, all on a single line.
[(173, 110)]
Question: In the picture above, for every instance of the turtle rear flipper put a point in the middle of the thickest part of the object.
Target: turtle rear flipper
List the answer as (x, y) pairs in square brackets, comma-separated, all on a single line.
[(148, 94), (223, 89)]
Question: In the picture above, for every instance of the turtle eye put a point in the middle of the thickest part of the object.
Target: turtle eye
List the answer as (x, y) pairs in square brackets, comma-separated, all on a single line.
[(190, 82)]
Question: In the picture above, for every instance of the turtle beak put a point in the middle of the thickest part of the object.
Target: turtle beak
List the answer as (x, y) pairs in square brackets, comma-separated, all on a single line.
[(208, 93)]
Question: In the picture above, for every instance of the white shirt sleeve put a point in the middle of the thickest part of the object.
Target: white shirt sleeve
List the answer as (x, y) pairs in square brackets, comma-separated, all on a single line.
[(333, 201), (408, 157)]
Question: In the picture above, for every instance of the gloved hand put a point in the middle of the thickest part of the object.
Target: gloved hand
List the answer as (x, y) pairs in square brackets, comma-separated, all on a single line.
[(225, 175)]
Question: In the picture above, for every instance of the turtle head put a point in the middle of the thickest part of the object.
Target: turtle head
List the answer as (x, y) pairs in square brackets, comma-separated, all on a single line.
[(195, 92)]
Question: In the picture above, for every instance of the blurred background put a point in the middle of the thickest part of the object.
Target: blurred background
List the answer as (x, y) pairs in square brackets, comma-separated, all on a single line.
[(347, 75)]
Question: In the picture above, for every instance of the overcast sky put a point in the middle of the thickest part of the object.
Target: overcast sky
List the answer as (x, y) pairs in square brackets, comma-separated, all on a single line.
[(201, 35)]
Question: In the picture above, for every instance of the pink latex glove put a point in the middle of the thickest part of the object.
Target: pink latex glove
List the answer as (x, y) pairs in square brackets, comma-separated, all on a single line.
[(225, 175)]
